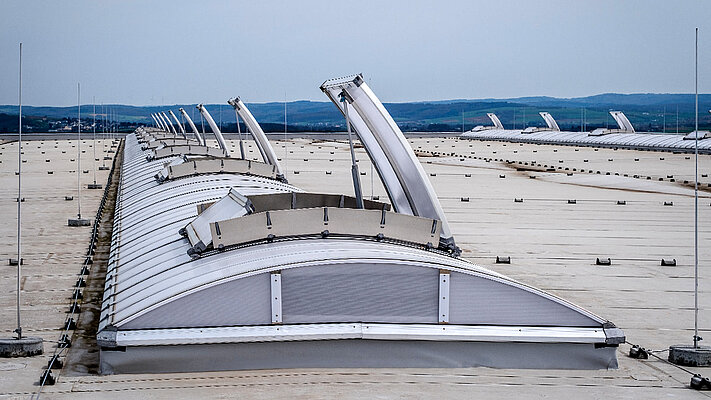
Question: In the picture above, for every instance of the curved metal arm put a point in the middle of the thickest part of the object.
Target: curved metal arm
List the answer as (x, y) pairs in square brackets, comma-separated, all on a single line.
[(550, 121), (265, 148), (159, 123), (402, 174), (197, 134), (182, 129), (495, 120), (162, 120), (170, 124), (155, 121), (622, 121), (215, 129)]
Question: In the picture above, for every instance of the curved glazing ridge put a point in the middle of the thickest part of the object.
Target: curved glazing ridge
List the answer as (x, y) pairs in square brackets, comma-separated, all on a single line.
[(145, 238), (640, 141), (152, 282), (172, 284)]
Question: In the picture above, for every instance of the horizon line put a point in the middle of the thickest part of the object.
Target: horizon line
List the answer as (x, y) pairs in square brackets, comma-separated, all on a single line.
[(488, 99)]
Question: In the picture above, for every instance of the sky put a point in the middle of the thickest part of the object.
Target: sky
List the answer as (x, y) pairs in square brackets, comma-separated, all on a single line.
[(167, 52)]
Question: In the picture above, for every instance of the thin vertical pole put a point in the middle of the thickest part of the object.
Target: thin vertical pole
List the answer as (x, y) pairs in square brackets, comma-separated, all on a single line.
[(372, 180), (94, 145), (696, 195), (18, 330), (182, 123), (664, 130), (79, 149), (354, 166), (286, 147), (239, 133), (103, 137)]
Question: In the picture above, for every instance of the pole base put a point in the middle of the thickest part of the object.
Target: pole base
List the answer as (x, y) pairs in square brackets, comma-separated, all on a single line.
[(78, 222), (25, 347), (690, 356)]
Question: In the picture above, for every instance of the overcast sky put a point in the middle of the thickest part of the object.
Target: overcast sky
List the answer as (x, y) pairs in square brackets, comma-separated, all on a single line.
[(167, 52)]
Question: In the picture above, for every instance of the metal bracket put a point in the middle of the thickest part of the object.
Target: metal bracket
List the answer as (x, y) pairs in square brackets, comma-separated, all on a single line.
[(444, 279), (276, 297)]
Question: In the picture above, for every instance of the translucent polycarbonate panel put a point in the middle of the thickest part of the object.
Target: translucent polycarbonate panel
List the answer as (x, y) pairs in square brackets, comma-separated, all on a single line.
[(481, 301), (239, 302), (360, 293)]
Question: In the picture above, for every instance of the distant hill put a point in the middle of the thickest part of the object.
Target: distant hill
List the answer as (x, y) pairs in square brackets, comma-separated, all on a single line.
[(647, 111)]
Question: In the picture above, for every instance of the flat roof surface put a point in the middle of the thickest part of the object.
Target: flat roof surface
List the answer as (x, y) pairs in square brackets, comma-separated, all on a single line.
[(552, 245)]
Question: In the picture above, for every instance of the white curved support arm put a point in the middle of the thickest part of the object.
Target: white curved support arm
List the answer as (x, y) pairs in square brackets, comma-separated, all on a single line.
[(162, 120), (177, 121), (215, 129), (622, 121), (401, 172), (495, 120), (550, 121), (158, 121), (265, 148), (170, 124), (155, 121), (197, 134)]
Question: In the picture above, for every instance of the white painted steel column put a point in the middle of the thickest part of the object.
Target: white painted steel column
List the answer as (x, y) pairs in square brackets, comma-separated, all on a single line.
[(18, 330), (79, 150)]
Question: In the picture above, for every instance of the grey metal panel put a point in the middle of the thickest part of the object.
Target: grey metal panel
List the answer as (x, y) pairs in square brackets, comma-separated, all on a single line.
[(239, 302), (356, 354), (481, 301), (360, 292), (314, 221)]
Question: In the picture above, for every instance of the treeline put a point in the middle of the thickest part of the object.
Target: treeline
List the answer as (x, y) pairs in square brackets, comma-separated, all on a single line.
[(9, 123), (512, 118)]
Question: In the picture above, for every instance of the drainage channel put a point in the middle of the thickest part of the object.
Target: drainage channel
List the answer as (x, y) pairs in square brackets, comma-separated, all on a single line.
[(77, 354), (83, 357)]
